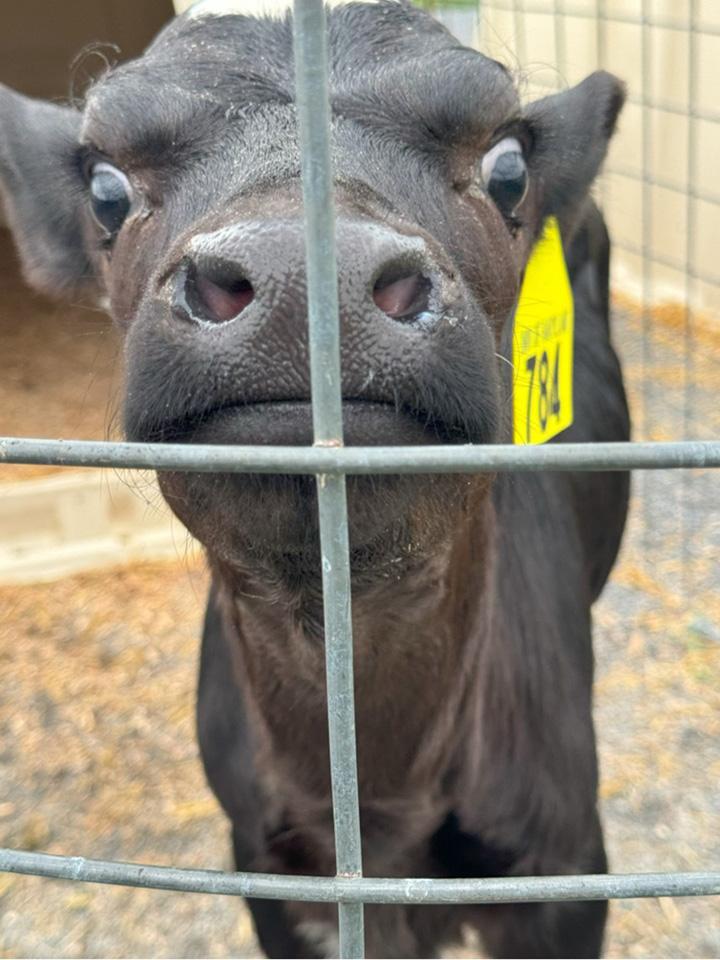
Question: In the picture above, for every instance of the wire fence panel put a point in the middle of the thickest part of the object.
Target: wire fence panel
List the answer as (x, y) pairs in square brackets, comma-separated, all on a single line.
[(330, 462)]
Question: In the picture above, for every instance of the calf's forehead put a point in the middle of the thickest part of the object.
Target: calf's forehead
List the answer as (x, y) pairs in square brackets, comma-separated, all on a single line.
[(392, 66)]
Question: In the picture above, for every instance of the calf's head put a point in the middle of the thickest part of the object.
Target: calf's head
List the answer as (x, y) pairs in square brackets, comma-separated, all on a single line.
[(174, 191)]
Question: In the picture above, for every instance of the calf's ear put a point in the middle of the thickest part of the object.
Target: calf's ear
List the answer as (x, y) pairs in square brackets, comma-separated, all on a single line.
[(41, 187), (571, 132)]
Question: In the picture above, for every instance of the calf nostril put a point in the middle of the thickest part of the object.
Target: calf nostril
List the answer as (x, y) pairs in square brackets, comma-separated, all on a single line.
[(402, 293), (216, 291)]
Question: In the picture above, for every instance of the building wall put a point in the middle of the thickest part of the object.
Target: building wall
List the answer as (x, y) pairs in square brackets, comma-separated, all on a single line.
[(41, 39)]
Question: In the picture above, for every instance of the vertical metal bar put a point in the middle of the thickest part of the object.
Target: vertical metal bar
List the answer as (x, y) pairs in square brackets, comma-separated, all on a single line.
[(601, 40), (313, 105), (690, 282), (647, 268), (520, 38), (691, 209), (560, 49), (601, 14)]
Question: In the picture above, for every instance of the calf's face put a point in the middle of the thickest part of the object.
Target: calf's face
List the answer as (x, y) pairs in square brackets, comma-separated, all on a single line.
[(175, 190)]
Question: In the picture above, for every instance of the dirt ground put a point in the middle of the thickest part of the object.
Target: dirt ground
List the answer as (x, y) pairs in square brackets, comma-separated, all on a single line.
[(97, 746)]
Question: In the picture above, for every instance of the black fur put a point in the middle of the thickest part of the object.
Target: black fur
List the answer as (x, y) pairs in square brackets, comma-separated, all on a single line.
[(471, 596)]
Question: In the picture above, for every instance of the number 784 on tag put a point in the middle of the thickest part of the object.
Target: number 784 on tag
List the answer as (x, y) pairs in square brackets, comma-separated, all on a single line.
[(543, 344)]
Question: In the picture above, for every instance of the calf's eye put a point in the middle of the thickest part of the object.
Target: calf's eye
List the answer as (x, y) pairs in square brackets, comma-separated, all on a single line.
[(504, 175), (110, 197)]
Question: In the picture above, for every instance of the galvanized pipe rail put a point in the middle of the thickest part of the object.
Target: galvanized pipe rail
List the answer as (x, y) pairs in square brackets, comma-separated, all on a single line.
[(358, 890), (334, 460)]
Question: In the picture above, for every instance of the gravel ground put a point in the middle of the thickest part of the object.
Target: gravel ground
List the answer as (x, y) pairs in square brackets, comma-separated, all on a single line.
[(97, 748)]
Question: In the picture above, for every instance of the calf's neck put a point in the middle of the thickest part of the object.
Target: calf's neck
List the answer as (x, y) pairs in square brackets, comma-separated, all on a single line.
[(173, 191)]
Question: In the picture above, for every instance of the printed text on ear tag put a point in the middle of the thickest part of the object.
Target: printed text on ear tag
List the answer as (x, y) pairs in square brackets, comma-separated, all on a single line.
[(543, 344)]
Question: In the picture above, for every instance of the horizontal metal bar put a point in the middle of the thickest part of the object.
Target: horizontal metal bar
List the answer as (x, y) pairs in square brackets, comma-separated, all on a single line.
[(687, 110), (647, 253), (364, 889), (507, 6), (686, 190), (465, 458)]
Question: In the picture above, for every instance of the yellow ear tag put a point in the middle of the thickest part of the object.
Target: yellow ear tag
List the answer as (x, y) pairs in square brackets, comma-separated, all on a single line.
[(543, 343)]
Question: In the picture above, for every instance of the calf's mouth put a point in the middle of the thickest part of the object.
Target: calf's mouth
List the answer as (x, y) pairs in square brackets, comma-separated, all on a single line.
[(289, 423), (269, 523)]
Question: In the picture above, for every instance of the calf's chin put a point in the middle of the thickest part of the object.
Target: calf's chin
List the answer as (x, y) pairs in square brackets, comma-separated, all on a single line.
[(268, 524)]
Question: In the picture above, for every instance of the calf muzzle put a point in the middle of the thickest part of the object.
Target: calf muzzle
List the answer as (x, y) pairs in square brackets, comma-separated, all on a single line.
[(254, 272)]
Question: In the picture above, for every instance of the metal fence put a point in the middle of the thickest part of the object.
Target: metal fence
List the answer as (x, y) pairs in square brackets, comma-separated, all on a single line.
[(330, 463)]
